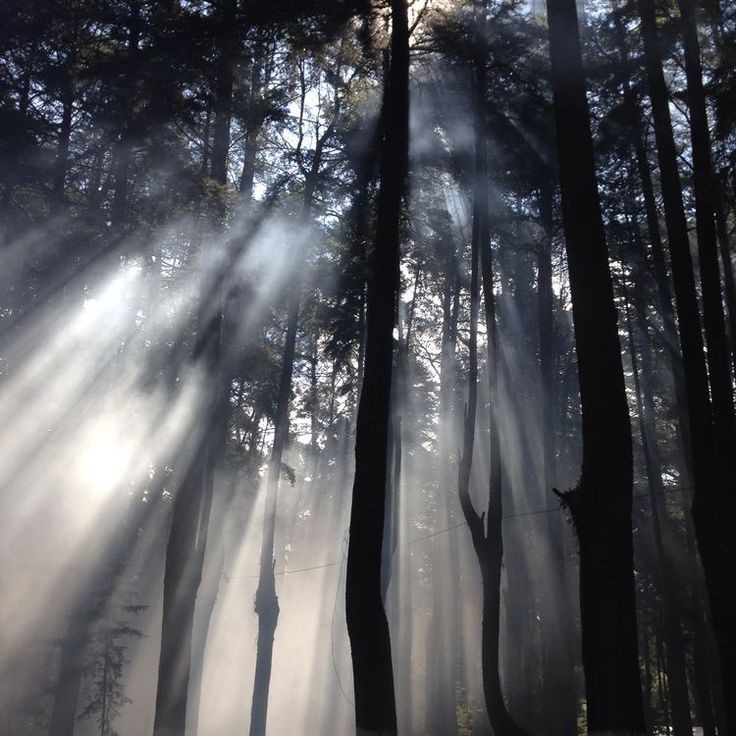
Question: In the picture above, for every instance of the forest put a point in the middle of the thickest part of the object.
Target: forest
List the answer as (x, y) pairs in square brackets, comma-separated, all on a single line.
[(367, 368)]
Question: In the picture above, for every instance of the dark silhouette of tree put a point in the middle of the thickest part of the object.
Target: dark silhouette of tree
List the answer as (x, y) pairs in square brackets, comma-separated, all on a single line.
[(375, 710), (266, 602), (485, 528), (601, 503), (710, 425), (105, 689), (193, 500)]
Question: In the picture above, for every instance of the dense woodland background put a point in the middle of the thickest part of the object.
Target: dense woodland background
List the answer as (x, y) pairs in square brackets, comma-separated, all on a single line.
[(367, 365)]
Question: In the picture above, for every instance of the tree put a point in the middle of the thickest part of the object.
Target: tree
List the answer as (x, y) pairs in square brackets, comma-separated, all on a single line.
[(601, 502), (105, 690), (375, 709), (710, 426), (485, 528)]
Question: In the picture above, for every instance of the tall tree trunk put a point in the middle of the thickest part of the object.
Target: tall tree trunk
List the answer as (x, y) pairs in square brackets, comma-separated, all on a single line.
[(665, 574), (223, 90), (601, 503), (123, 150), (193, 501), (189, 525), (489, 546), (711, 427), (659, 267), (61, 162), (250, 139), (440, 699), (705, 207), (71, 672), (724, 246), (375, 708), (266, 602), (558, 675), (12, 162)]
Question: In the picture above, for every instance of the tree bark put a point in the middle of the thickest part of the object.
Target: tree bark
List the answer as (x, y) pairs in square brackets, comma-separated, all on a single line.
[(266, 602), (724, 246), (601, 503), (61, 162), (223, 91), (122, 150), (711, 426), (558, 674), (188, 532), (440, 700), (375, 708), (193, 500), (666, 577), (489, 548)]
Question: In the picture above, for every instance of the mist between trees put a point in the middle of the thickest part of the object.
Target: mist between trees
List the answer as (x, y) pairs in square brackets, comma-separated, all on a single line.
[(367, 367)]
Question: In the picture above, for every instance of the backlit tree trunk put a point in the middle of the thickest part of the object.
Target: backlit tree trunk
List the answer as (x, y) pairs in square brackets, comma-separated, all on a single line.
[(601, 502), (375, 708)]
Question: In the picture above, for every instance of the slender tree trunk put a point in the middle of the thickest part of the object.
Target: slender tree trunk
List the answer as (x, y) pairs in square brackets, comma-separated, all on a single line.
[(705, 206), (192, 503), (440, 700), (375, 708), (71, 672), (123, 150), (489, 550), (711, 427), (188, 532), (666, 577), (666, 310), (701, 678), (11, 167), (266, 602), (558, 677), (250, 141), (223, 90), (727, 265), (601, 503), (61, 162), (691, 340)]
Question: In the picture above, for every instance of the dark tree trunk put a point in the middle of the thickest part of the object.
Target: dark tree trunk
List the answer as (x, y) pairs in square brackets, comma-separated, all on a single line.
[(61, 162), (375, 708), (489, 547), (250, 140), (123, 148), (193, 500), (705, 207), (266, 603), (724, 246), (545, 314), (666, 576), (601, 503), (188, 532), (440, 700), (558, 674), (397, 574), (659, 267), (11, 167), (223, 90), (711, 427), (71, 673)]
